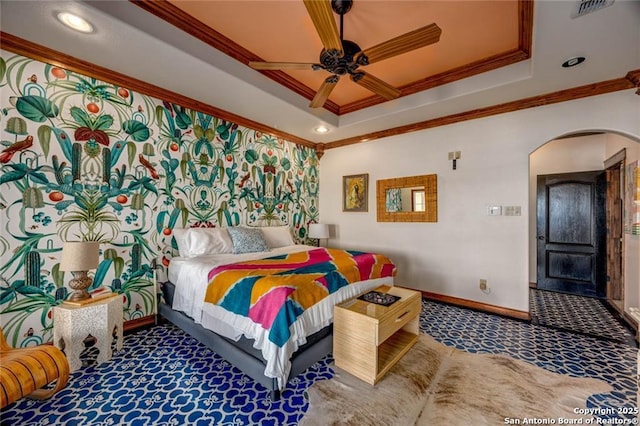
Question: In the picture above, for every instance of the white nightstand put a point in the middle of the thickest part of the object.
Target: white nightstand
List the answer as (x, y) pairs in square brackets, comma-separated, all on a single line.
[(92, 328)]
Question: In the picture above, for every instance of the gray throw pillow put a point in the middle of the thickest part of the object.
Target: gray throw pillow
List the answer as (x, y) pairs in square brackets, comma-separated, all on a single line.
[(247, 240)]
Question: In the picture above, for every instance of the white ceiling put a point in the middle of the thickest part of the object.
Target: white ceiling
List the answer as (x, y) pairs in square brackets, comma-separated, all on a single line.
[(133, 42)]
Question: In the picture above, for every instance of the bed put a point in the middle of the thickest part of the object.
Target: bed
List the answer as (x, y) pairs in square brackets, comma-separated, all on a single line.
[(223, 294)]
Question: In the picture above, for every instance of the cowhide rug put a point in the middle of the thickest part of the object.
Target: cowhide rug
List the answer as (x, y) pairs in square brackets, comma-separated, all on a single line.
[(435, 385)]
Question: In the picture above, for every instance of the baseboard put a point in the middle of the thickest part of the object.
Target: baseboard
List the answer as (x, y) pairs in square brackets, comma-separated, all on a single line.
[(633, 323), (471, 304), (139, 323)]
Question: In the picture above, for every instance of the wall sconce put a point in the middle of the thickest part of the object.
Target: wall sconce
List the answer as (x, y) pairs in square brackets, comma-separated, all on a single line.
[(453, 156), (318, 231), (78, 257)]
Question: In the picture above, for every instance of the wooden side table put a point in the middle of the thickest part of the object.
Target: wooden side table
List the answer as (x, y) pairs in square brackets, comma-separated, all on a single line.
[(368, 339), (89, 330)]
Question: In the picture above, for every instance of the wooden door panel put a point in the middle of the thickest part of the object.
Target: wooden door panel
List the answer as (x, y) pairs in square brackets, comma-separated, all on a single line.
[(569, 213), (570, 266), (571, 231)]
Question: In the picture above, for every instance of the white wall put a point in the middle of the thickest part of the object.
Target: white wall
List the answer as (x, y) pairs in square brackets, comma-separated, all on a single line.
[(450, 256)]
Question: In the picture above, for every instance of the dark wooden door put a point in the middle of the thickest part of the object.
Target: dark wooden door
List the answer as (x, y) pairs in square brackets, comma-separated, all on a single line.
[(571, 233)]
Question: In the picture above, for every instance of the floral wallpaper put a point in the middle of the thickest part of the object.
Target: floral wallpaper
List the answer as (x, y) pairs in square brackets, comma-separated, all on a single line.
[(82, 159)]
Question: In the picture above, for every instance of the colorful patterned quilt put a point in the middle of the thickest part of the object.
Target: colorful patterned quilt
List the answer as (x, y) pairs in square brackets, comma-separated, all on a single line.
[(275, 291)]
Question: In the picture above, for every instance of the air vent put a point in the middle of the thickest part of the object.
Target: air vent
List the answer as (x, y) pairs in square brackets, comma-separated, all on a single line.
[(587, 6)]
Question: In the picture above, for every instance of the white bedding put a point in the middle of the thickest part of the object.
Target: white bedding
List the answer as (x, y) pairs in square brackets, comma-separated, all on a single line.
[(190, 276)]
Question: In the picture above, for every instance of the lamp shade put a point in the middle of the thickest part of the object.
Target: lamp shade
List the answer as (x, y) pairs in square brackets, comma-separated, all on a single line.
[(318, 230), (79, 255)]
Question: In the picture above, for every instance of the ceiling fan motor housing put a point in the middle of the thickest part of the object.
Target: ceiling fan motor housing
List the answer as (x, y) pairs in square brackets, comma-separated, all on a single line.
[(341, 65), (340, 57)]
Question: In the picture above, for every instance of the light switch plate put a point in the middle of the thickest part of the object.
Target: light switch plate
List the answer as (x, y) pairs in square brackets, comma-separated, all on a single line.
[(494, 210)]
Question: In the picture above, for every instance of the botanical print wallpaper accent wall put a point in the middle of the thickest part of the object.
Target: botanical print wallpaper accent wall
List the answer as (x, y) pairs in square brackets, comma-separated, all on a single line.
[(82, 159)]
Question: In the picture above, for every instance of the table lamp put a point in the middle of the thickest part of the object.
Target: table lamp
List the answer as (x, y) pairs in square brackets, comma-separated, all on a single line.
[(319, 231), (78, 257)]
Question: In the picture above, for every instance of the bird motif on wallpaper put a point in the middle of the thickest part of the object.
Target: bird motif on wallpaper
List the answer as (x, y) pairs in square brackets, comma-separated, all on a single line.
[(244, 180), (148, 166), (8, 152)]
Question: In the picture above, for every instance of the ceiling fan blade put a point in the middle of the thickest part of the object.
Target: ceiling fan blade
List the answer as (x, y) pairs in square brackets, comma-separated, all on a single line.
[(322, 16), (256, 65), (376, 85), (324, 91), (404, 43)]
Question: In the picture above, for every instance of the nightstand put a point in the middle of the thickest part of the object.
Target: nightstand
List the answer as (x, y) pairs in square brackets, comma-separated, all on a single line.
[(88, 333), (368, 339)]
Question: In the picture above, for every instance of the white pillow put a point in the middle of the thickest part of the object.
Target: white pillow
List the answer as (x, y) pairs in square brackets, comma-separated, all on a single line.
[(277, 236), (181, 239), (208, 241)]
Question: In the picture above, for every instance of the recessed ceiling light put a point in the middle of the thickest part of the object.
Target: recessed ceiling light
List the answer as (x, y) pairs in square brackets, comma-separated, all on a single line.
[(321, 129), (75, 22), (572, 62)]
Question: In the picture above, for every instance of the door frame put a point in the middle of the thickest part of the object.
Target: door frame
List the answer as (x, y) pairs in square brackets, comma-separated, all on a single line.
[(614, 167)]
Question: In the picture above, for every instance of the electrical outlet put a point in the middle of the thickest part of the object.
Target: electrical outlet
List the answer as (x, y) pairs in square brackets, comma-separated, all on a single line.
[(483, 284)]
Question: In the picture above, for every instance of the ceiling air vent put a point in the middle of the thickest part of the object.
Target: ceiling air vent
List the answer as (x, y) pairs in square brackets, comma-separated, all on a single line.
[(587, 6)]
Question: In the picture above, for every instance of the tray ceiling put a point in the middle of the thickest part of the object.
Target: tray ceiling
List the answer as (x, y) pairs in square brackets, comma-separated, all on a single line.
[(473, 32)]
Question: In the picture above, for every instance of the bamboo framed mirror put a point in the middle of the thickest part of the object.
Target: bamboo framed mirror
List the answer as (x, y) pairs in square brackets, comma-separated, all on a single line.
[(407, 199)]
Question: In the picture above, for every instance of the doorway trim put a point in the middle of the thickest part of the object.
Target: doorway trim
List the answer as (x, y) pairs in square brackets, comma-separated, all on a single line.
[(614, 167)]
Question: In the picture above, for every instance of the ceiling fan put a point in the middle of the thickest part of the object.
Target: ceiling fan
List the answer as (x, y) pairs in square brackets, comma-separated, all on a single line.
[(340, 57)]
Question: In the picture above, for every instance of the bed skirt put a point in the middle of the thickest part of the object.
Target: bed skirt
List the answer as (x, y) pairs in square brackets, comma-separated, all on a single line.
[(241, 353)]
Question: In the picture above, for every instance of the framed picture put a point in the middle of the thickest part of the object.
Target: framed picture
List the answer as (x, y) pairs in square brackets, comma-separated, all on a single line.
[(355, 193)]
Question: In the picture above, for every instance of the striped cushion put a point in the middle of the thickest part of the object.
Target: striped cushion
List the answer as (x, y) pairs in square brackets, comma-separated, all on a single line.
[(23, 372)]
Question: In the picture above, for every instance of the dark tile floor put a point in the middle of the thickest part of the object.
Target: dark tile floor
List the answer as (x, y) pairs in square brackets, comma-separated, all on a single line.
[(164, 377), (583, 315)]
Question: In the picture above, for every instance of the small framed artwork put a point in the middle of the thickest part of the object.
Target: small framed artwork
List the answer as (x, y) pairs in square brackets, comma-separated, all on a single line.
[(355, 193)]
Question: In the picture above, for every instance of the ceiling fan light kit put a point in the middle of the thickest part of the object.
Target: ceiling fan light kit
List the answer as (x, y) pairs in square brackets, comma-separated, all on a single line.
[(341, 57)]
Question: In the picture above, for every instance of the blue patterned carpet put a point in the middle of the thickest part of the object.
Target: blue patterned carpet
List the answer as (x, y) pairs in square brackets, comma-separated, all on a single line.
[(164, 377)]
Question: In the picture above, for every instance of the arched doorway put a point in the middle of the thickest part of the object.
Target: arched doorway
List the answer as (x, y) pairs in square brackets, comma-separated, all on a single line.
[(608, 154)]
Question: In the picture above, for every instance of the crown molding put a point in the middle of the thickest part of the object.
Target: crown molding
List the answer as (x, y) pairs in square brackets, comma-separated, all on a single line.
[(634, 78), (43, 54), (187, 23), (600, 88)]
